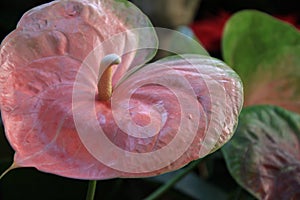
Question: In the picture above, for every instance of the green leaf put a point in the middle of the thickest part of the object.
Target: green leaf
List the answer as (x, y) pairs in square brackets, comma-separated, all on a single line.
[(265, 53), (263, 155)]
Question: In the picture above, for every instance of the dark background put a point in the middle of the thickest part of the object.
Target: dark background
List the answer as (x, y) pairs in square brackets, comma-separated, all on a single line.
[(12, 10)]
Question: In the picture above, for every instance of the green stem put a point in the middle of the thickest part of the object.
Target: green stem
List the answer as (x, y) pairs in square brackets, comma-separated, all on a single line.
[(91, 190), (161, 190)]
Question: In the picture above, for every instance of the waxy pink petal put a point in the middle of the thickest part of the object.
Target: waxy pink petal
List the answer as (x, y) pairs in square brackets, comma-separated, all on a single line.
[(190, 103)]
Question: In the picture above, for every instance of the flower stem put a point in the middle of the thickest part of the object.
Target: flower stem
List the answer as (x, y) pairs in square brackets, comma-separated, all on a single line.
[(91, 190), (161, 190), (13, 166)]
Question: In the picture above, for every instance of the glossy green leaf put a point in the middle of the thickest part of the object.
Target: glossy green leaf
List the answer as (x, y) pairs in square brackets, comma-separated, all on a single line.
[(265, 53), (264, 153)]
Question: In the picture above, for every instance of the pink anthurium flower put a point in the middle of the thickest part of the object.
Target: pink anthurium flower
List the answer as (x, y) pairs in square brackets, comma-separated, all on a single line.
[(74, 103)]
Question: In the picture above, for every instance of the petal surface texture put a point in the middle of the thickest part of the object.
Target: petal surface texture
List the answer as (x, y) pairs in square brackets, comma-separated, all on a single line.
[(161, 115)]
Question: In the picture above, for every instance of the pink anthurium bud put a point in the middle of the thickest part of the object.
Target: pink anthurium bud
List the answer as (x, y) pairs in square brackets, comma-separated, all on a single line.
[(77, 100)]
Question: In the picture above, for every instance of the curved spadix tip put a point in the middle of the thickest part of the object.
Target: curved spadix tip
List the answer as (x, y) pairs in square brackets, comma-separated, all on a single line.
[(109, 60)]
